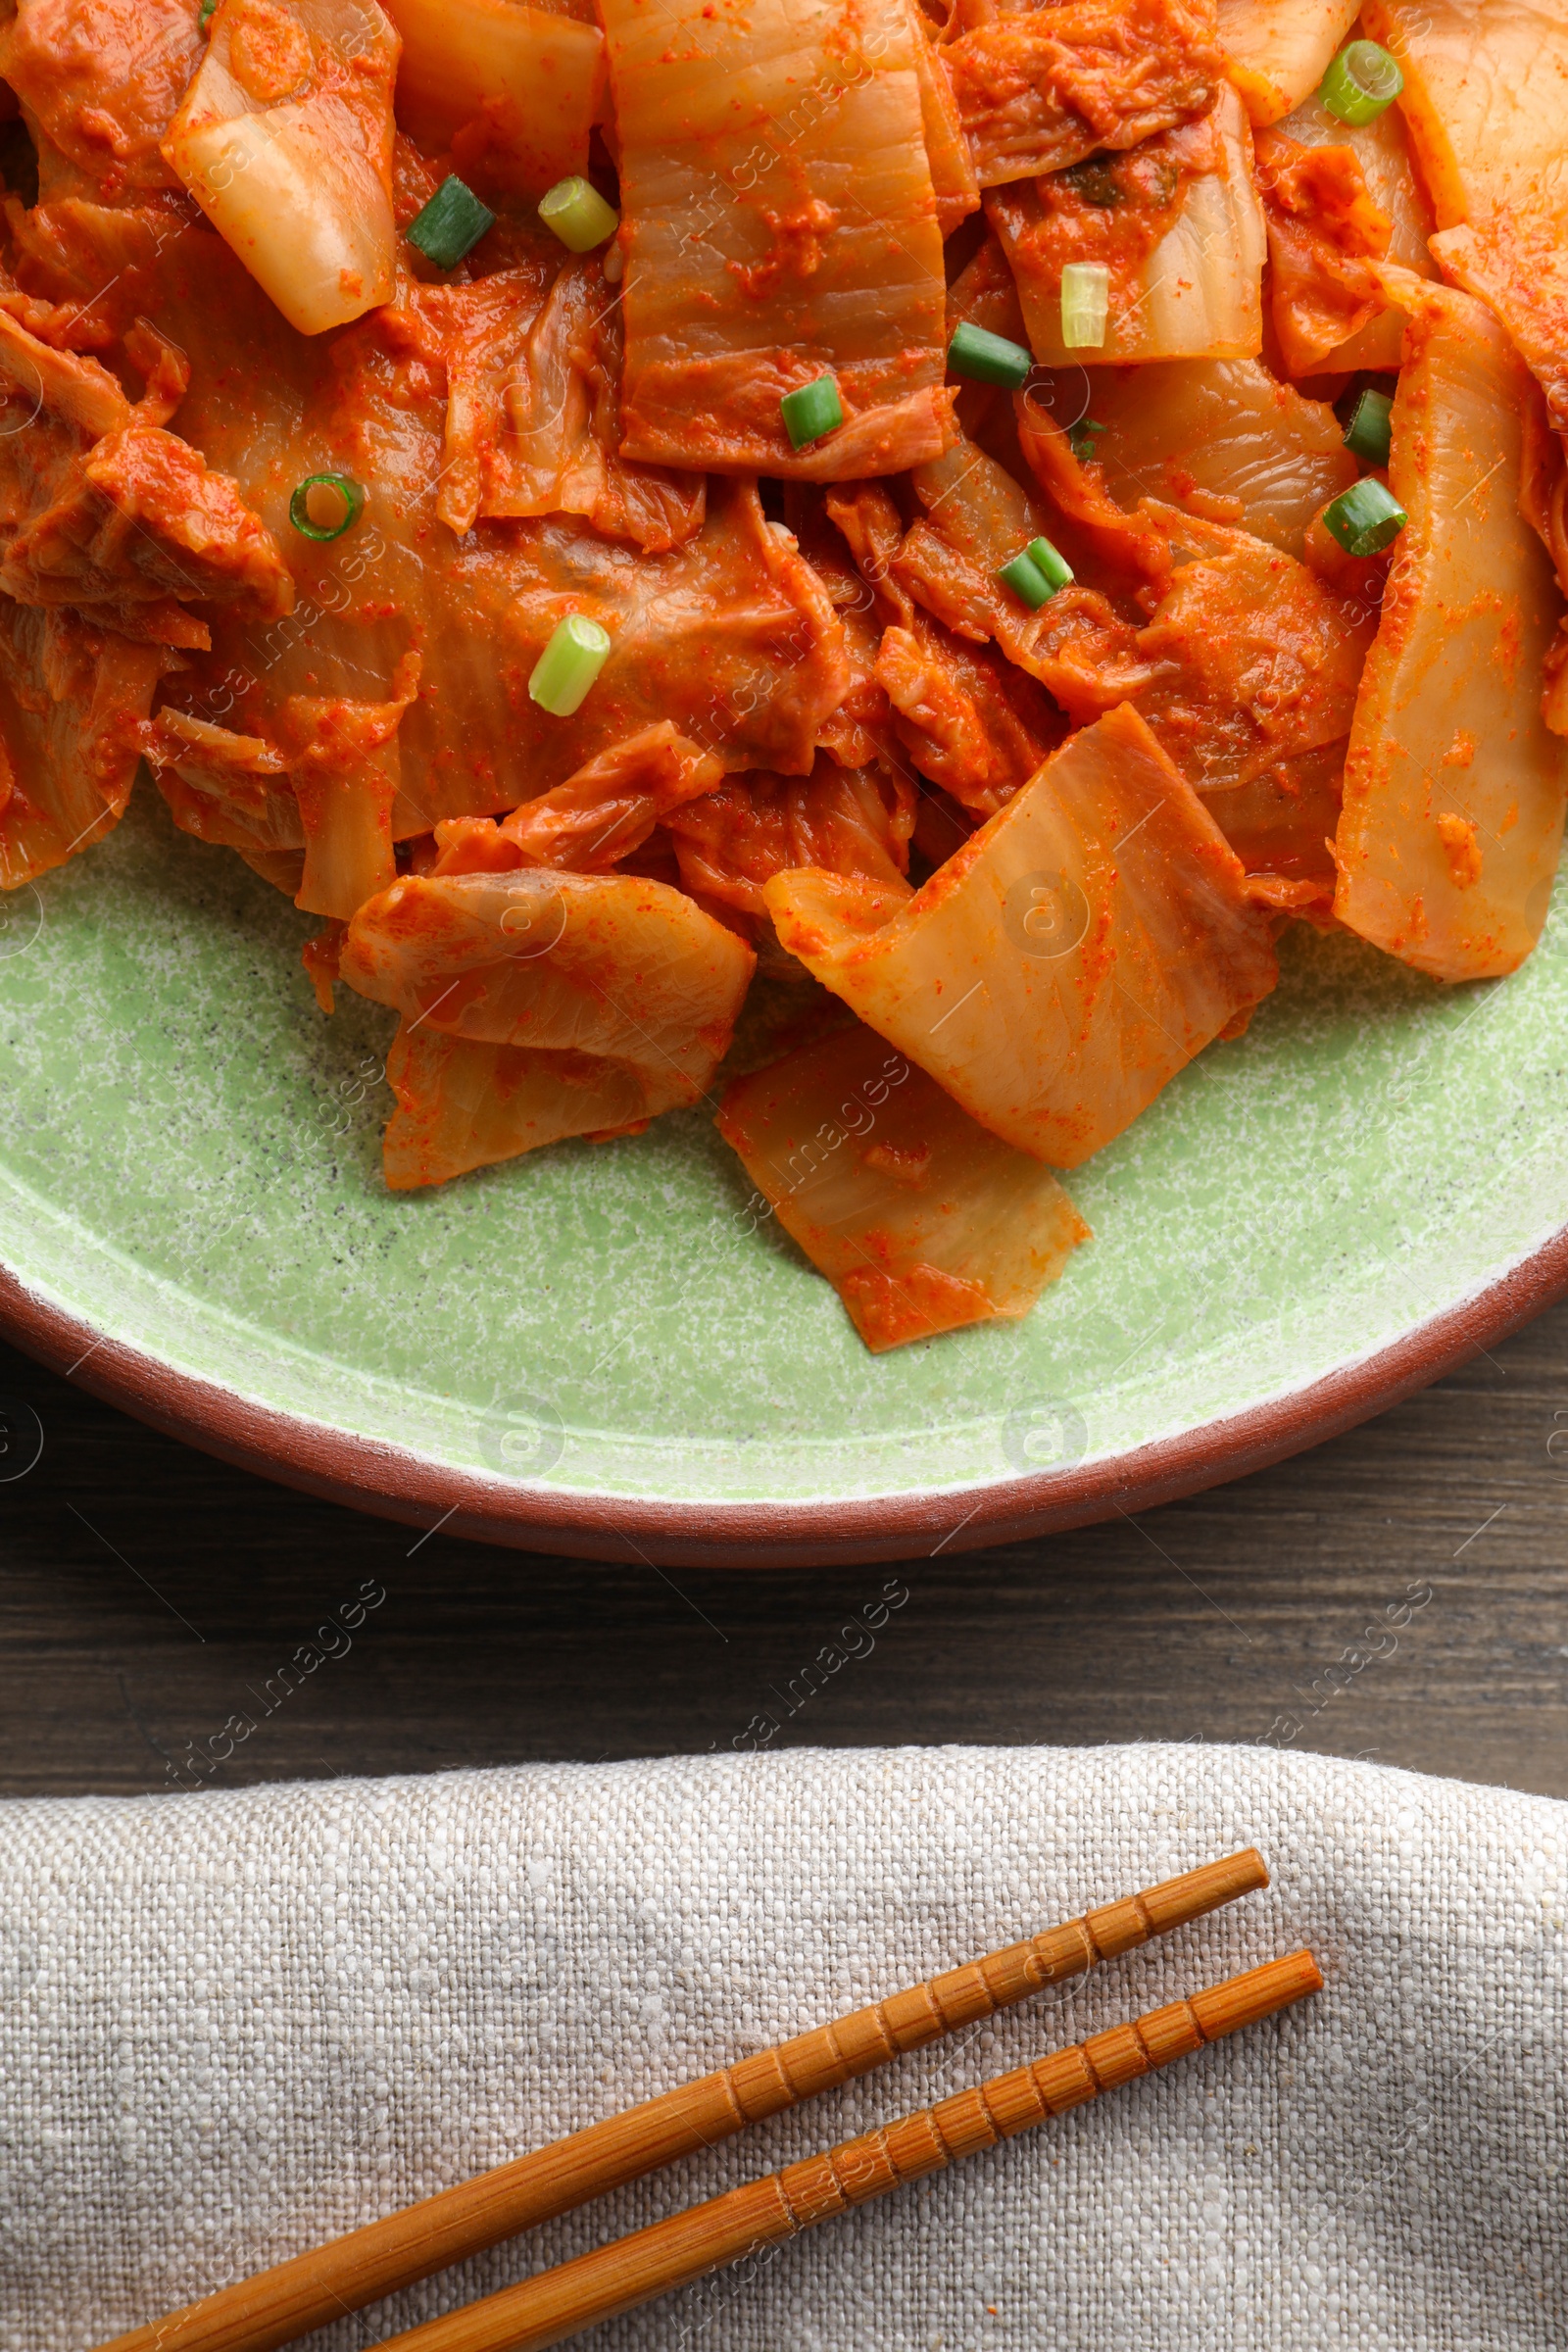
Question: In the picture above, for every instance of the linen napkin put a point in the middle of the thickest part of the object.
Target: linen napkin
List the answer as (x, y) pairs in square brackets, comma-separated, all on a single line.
[(234, 2024)]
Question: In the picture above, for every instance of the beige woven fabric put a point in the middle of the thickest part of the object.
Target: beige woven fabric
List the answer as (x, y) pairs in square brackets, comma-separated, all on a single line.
[(232, 2025)]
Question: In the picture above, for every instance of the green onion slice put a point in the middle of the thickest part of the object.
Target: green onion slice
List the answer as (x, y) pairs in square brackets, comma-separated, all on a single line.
[(988, 359), (1085, 305), (450, 223), (813, 411), (1025, 578), (579, 215), (1081, 438), (1368, 434), (568, 665), (326, 504), (1365, 518), (1361, 83), (206, 14), (1051, 562)]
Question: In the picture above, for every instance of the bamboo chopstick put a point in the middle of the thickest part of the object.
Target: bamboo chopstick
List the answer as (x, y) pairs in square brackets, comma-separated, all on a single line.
[(634, 2270), (275, 2306)]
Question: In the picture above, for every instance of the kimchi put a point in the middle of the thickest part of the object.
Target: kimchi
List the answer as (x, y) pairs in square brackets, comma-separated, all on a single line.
[(845, 570)]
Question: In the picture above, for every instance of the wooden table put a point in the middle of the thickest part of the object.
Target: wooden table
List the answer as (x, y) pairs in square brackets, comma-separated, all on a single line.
[(153, 1602)]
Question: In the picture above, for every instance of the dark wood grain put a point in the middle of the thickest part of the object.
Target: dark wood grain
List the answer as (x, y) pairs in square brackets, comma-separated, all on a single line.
[(150, 1597)]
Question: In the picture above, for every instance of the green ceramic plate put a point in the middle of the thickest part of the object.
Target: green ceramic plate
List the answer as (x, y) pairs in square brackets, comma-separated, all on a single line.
[(586, 1349)]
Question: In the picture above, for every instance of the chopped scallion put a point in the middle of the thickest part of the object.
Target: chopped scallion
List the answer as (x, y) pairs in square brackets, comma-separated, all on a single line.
[(1027, 581), (813, 411), (1367, 436), (1361, 83), (326, 504), (450, 223), (1365, 518), (205, 14), (1057, 571), (1081, 439), (988, 359), (1085, 305), (568, 665), (579, 215)]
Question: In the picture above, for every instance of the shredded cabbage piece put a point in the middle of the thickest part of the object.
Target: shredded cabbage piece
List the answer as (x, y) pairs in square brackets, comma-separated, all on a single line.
[(946, 144), (1067, 960), (533, 415), (344, 763), (976, 519), (142, 522), (1277, 51), (1324, 227), (1222, 439), (1185, 245), (72, 702), (327, 785), (592, 963), (922, 1220), (731, 842), (1485, 100), (611, 807), (103, 86), (462, 1105), (1455, 789), (285, 138), (780, 224), (512, 92), (970, 720), (1042, 87), (1381, 149), (1255, 661), (538, 1004)]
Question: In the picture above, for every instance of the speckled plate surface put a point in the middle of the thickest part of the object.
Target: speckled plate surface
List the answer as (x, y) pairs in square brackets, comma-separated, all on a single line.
[(588, 1350)]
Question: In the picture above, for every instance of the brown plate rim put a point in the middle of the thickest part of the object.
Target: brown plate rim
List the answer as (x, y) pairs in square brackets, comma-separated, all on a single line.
[(395, 1483)]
